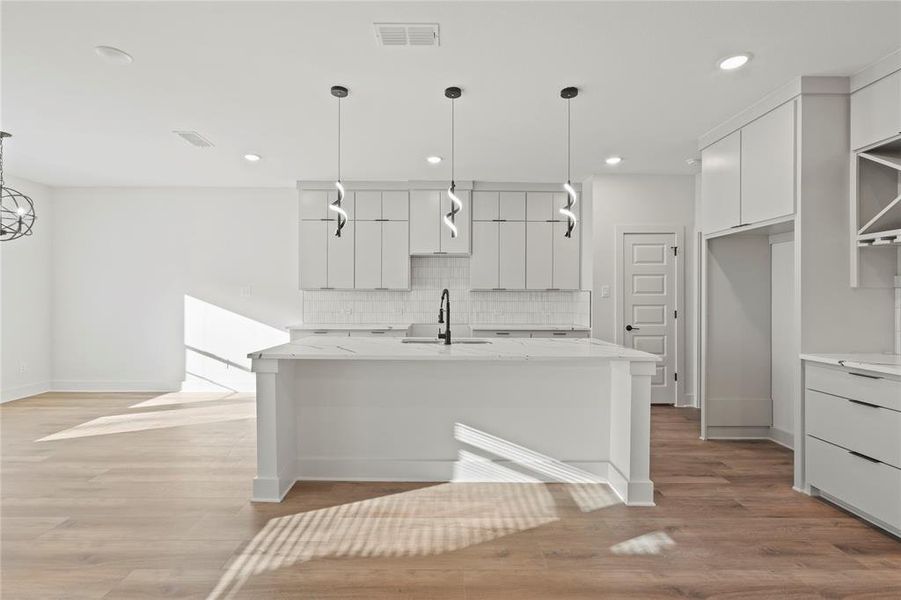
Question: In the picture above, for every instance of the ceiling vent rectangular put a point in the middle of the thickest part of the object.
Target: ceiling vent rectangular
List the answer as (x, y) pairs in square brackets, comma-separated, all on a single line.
[(407, 34), (194, 138)]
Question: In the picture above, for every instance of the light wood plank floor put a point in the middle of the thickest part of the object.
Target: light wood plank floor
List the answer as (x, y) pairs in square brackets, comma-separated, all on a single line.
[(145, 496)]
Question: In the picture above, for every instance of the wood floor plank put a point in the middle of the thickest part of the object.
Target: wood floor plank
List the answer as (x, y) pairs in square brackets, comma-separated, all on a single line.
[(163, 512)]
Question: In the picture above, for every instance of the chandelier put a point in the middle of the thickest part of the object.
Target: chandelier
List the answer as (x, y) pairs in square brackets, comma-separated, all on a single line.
[(16, 209)]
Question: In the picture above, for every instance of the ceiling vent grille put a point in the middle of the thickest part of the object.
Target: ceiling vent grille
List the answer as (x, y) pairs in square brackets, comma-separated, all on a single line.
[(194, 138), (407, 34)]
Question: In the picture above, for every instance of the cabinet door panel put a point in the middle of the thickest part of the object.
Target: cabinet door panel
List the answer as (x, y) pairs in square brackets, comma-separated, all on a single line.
[(367, 206), (484, 206), (347, 204), (461, 243), (512, 206), (314, 204), (539, 206), (368, 253), (566, 258), (768, 166), (396, 205), (721, 184), (876, 111), (341, 258), (560, 202), (396, 255), (483, 268), (313, 257), (512, 255), (424, 221), (539, 255)]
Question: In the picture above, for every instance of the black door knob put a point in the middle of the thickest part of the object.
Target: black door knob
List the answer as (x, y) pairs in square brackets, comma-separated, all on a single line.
[(630, 328)]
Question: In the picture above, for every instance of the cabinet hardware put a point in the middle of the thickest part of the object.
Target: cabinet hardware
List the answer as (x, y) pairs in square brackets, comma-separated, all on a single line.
[(559, 333), (863, 456), (862, 403), (740, 225), (381, 288), (326, 288), (381, 220), (439, 252), (552, 289), (498, 289), (501, 333), (320, 332), (864, 375), (376, 332)]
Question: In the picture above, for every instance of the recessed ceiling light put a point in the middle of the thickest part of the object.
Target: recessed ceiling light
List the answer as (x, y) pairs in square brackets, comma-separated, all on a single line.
[(434, 160), (252, 157), (113, 55), (730, 63), (693, 161), (614, 160)]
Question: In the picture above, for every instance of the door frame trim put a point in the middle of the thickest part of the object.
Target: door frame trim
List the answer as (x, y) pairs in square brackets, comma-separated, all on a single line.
[(678, 231)]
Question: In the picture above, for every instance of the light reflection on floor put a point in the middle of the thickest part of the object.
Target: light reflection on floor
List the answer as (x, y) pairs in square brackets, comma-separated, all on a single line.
[(650, 543), (158, 419)]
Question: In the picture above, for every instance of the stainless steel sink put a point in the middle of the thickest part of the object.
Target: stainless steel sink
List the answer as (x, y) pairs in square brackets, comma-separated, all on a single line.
[(434, 341)]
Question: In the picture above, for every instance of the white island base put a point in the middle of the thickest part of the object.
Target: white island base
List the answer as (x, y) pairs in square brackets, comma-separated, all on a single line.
[(363, 409)]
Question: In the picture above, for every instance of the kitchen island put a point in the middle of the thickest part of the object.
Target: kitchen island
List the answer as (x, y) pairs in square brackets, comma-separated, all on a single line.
[(410, 409)]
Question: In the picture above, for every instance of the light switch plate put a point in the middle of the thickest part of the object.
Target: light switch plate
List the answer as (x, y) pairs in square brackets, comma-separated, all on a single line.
[(605, 291)]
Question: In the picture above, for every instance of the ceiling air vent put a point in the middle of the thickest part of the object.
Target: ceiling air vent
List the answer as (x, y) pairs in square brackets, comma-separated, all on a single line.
[(194, 138), (407, 34)]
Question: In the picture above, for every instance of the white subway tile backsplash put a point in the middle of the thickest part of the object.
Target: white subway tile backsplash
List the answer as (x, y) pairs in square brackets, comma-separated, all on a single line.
[(420, 305)]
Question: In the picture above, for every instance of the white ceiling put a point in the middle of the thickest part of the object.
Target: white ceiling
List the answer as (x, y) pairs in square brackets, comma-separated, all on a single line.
[(255, 77)]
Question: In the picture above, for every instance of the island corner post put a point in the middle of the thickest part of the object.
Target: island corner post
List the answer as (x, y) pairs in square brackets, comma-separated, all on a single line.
[(394, 420)]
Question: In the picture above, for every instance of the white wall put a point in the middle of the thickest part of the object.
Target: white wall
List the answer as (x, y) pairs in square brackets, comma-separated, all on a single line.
[(128, 262), (642, 199), (784, 354), (25, 280)]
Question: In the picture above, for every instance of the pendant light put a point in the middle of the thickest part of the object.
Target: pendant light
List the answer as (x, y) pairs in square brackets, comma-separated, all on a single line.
[(339, 92), (568, 93), (16, 209), (450, 219)]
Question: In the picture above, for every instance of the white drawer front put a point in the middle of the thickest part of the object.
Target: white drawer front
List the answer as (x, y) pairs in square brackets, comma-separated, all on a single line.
[(379, 333), (560, 334), (866, 428), (872, 487), (500, 333), (296, 335), (854, 384)]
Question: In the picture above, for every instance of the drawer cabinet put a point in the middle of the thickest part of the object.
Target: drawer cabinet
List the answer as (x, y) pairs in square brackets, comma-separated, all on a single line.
[(557, 335), (871, 487), (856, 385)]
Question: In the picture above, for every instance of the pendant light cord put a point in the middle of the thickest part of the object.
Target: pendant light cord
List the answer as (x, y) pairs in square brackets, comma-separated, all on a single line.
[(339, 139), (569, 121), (453, 140), (1, 164)]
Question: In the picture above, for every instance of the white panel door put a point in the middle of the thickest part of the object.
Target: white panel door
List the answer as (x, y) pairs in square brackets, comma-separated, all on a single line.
[(512, 206), (396, 255), (511, 255), (424, 221), (484, 206), (396, 206), (459, 244), (649, 302), (368, 252), (539, 255), (539, 206), (341, 257), (566, 258), (313, 254), (314, 204), (483, 267), (367, 206), (768, 166), (721, 184)]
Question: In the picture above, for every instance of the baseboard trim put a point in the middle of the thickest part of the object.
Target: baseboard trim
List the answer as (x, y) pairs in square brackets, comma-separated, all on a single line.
[(722, 432), (74, 385), (24, 391), (783, 438), (688, 401)]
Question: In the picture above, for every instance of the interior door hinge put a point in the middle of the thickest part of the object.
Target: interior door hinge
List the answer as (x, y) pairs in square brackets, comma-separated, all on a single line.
[(675, 250), (675, 314), (676, 376)]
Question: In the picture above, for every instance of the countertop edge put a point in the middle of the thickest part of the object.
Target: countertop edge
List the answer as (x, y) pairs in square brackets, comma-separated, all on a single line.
[(855, 362)]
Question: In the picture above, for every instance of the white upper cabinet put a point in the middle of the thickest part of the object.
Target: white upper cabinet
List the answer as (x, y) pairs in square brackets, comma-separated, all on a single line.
[(378, 206), (484, 206), (314, 204), (721, 184), (341, 258), (368, 205), (425, 206), (396, 255), (566, 258), (395, 205), (876, 111), (512, 206), (368, 254), (540, 206), (483, 267), (768, 166), (511, 263), (539, 255)]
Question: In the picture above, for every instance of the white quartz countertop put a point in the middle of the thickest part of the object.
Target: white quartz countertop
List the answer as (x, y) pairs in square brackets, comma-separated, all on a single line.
[(890, 364), (367, 348), (347, 326)]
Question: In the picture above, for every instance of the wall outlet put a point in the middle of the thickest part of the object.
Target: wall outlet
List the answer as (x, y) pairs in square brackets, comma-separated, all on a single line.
[(605, 291), (22, 368), (246, 291)]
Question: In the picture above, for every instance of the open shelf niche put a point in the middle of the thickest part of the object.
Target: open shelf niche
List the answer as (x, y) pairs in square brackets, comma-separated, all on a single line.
[(877, 206)]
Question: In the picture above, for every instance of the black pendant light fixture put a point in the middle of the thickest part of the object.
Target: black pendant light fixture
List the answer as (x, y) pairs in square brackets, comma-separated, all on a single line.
[(16, 209), (339, 92), (450, 219), (568, 93)]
